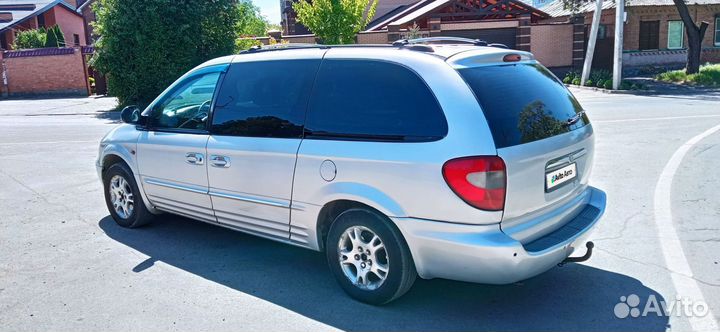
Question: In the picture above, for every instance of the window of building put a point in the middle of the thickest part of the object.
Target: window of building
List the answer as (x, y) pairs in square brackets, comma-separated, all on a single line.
[(373, 100), (76, 39), (264, 99), (41, 20), (602, 31), (717, 31), (676, 34), (649, 35)]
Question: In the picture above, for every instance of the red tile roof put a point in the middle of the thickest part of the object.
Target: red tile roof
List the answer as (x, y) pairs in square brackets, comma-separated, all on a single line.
[(38, 52)]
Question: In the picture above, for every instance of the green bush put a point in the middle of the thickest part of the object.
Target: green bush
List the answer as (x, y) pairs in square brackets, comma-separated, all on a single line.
[(600, 83), (34, 38), (54, 37), (672, 76), (576, 81), (600, 75), (147, 44), (589, 83), (709, 75), (607, 84), (570, 76), (246, 43)]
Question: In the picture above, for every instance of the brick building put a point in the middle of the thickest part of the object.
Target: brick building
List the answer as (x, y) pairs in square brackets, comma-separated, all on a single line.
[(85, 9), (18, 15), (654, 34)]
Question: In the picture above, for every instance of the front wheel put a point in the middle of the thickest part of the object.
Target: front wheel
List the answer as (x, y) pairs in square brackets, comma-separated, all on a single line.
[(122, 197), (369, 257)]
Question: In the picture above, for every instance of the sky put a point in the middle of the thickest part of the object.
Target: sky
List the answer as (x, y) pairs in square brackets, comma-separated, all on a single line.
[(269, 8)]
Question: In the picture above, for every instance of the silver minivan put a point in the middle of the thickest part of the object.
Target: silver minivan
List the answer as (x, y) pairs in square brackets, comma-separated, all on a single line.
[(438, 158)]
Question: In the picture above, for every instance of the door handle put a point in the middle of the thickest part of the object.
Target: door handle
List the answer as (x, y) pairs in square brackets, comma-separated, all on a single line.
[(194, 158), (219, 161)]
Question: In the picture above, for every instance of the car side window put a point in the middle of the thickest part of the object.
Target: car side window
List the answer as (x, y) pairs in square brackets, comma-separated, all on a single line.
[(264, 99), (188, 105), (373, 100)]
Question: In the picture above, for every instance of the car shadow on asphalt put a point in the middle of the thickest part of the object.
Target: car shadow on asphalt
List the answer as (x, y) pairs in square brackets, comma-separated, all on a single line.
[(574, 297)]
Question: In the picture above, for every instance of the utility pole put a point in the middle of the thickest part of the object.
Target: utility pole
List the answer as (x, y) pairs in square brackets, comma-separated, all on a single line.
[(591, 42), (619, 27)]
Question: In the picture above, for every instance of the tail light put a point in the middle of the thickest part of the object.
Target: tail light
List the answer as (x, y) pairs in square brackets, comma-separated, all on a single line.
[(479, 181)]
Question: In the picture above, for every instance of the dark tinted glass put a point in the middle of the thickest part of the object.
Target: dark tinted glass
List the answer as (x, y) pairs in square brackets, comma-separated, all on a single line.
[(264, 99), (523, 103), (373, 100)]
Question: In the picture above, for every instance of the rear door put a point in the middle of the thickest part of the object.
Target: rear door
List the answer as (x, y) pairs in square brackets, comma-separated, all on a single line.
[(256, 130), (541, 132)]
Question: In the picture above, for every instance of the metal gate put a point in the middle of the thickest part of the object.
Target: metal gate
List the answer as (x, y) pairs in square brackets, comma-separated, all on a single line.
[(503, 36)]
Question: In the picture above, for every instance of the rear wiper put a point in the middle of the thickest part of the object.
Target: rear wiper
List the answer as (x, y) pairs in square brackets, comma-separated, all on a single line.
[(574, 119)]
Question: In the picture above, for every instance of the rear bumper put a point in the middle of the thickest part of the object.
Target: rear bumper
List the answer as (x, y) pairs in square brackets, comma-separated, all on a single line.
[(484, 254)]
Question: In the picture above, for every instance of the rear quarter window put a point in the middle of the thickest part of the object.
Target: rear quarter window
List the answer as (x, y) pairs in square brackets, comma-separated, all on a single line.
[(373, 100), (523, 103)]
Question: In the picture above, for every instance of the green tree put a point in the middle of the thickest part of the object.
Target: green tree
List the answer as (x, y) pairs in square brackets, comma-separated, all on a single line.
[(55, 37), (335, 21), (34, 38), (147, 44), (250, 22)]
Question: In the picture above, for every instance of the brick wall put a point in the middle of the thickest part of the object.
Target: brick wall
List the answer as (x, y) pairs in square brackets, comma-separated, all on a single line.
[(310, 39), (710, 55), (552, 44), (664, 14), (34, 73), (3, 87), (378, 37)]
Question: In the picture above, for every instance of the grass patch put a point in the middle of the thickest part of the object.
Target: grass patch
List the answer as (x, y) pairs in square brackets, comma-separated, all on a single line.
[(709, 75)]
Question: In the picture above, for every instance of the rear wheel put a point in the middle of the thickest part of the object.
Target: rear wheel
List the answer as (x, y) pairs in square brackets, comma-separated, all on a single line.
[(369, 257), (122, 197)]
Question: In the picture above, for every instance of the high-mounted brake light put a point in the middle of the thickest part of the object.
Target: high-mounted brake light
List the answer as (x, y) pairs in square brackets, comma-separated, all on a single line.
[(512, 58), (479, 181)]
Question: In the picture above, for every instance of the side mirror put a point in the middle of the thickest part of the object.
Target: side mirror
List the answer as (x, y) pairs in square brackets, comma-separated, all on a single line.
[(130, 114)]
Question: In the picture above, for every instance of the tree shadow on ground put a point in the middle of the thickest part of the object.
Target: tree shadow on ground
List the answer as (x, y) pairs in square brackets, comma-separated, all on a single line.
[(574, 297), (112, 116)]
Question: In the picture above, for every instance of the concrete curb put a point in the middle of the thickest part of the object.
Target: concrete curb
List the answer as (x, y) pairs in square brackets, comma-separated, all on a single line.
[(618, 92)]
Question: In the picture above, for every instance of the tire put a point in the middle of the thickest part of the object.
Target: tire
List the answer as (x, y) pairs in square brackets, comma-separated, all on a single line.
[(344, 257), (135, 214)]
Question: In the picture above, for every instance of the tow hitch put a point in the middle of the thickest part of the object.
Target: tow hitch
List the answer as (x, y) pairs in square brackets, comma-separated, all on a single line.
[(589, 245)]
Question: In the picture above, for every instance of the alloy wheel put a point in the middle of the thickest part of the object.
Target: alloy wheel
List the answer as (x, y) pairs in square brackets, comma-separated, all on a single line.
[(121, 196), (363, 257)]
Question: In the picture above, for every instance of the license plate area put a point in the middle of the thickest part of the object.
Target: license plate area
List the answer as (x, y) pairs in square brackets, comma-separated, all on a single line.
[(560, 177)]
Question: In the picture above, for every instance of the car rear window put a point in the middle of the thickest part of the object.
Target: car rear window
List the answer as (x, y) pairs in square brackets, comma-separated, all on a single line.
[(523, 102)]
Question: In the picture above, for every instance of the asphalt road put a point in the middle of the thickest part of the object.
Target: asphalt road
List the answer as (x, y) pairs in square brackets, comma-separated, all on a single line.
[(65, 265)]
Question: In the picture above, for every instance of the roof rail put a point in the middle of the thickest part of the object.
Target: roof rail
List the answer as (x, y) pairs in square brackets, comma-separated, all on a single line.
[(261, 48), (430, 40), (498, 45)]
